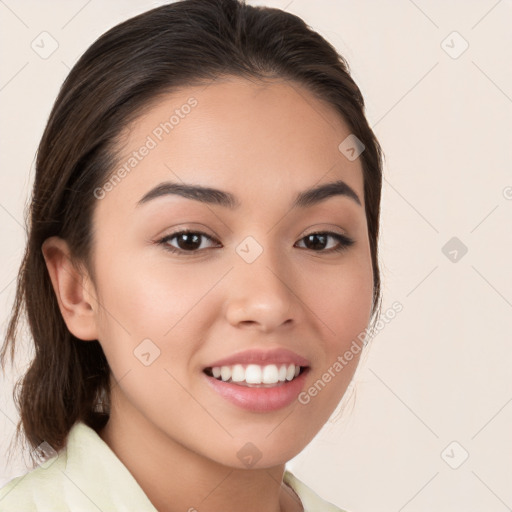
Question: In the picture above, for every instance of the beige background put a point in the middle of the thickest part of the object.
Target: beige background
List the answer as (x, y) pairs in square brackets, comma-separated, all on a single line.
[(439, 372)]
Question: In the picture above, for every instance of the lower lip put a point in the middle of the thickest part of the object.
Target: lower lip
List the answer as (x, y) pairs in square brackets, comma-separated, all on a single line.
[(260, 399)]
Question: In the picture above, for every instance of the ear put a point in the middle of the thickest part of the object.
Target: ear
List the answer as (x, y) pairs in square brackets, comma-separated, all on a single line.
[(73, 288)]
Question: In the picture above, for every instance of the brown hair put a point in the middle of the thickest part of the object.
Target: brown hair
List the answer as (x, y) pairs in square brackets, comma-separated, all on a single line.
[(184, 43)]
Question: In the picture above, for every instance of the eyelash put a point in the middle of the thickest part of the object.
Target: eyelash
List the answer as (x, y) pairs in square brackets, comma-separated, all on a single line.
[(344, 241)]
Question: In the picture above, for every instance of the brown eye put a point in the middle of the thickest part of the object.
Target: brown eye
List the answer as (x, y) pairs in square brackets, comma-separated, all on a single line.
[(187, 241), (318, 241)]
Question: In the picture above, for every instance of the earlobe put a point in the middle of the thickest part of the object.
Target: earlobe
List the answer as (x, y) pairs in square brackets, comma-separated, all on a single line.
[(71, 286)]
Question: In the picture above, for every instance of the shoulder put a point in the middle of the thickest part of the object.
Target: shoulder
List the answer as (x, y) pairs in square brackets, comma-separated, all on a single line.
[(36, 490), (310, 500), (84, 476)]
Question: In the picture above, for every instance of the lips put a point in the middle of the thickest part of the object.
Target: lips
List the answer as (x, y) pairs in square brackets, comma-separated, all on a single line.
[(260, 398), (259, 380)]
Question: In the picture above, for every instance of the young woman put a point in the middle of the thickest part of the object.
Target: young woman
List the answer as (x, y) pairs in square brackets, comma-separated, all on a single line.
[(202, 256)]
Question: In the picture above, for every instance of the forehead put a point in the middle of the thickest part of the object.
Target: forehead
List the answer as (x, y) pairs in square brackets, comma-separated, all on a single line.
[(259, 140)]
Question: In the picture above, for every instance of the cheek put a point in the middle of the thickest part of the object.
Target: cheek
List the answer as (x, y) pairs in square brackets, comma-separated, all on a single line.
[(144, 299), (341, 298), (343, 307), (351, 314)]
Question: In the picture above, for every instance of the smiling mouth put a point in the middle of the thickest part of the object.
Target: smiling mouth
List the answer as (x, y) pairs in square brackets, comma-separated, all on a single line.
[(253, 375)]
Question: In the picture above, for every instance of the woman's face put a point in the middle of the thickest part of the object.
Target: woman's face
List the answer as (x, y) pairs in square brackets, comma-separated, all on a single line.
[(250, 277)]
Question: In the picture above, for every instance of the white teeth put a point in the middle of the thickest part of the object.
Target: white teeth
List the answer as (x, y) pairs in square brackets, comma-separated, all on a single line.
[(225, 373), (238, 374), (270, 374), (256, 374), (253, 374)]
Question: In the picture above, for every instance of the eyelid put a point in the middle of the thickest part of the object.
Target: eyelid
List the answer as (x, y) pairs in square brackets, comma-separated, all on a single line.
[(321, 228)]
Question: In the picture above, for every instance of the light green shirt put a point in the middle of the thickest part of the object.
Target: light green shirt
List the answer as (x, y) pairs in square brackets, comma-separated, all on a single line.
[(87, 476)]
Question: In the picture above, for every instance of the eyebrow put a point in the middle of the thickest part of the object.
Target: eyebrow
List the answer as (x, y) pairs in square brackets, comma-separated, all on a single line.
[(304, 199)]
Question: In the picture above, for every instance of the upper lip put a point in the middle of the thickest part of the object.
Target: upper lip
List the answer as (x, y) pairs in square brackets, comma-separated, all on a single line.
[(275, 356)]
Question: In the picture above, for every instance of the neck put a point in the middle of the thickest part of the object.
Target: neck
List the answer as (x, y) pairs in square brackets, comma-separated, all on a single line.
[(177, 478)]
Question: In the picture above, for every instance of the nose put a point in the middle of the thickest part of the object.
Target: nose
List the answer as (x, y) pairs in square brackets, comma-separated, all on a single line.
[(261, 295)]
